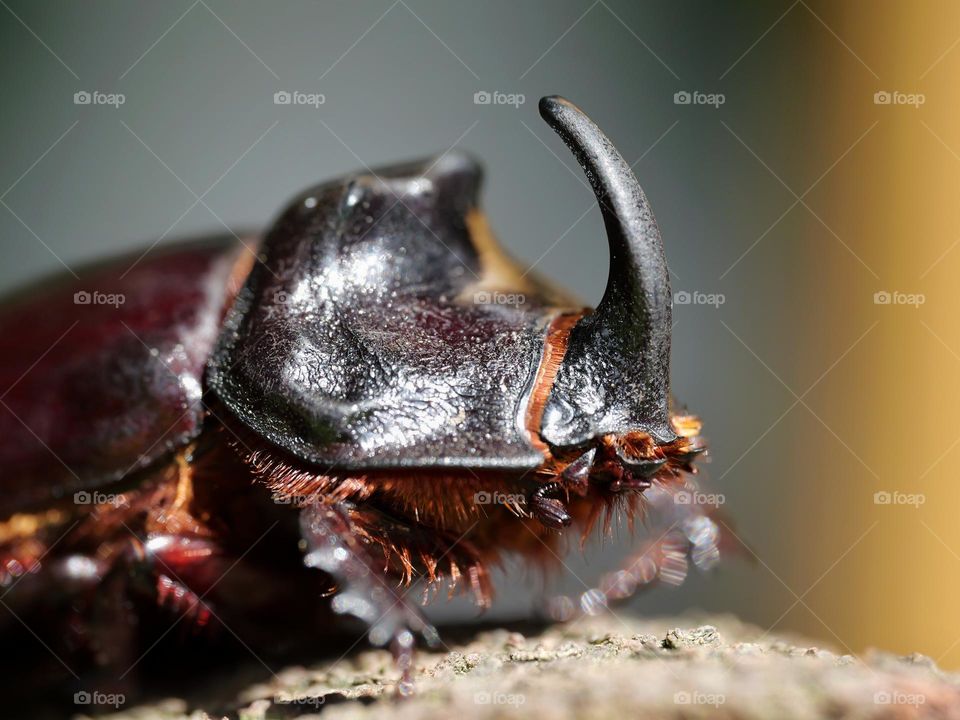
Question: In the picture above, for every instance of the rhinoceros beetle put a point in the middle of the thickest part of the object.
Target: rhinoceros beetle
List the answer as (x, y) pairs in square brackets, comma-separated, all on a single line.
[(377, 395)]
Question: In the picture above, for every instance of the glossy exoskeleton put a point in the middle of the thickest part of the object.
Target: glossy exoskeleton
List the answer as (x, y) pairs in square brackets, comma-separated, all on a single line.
[(377, 395)]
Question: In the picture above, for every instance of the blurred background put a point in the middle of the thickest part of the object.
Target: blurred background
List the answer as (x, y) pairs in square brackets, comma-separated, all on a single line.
[(802, 159)]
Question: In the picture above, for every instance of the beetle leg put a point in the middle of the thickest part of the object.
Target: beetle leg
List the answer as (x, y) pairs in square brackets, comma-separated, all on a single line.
[(186, 569), (333, 545), (679, 534), (548, 510), (111, 625)]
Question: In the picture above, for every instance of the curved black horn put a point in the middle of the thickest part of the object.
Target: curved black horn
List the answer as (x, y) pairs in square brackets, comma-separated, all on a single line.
[(615, 376)]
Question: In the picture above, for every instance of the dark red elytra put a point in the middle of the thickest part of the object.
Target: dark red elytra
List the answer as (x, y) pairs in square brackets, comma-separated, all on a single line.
[(380, 396)]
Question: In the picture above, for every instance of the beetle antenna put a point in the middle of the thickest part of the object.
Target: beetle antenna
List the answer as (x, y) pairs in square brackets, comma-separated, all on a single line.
[(622, 350)]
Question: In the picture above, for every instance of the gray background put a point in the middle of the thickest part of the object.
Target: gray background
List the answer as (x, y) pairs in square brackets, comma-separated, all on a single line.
[(399, 81)]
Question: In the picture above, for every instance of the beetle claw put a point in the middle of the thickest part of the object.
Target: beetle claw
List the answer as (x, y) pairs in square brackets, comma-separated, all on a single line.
[(334, 547)]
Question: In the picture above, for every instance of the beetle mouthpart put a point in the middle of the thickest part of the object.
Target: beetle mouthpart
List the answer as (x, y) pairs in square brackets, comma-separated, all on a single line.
[(577, 474), (615, 375), (641, 469), (630, 481)]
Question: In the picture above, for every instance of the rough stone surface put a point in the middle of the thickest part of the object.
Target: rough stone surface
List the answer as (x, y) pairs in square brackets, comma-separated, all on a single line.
[(602, 667)]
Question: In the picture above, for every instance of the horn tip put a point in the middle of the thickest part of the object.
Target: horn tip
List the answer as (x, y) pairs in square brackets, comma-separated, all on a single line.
[(551, 106)]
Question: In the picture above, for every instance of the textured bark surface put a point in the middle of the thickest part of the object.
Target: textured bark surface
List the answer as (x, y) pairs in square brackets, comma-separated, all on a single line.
[(603, 667)]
